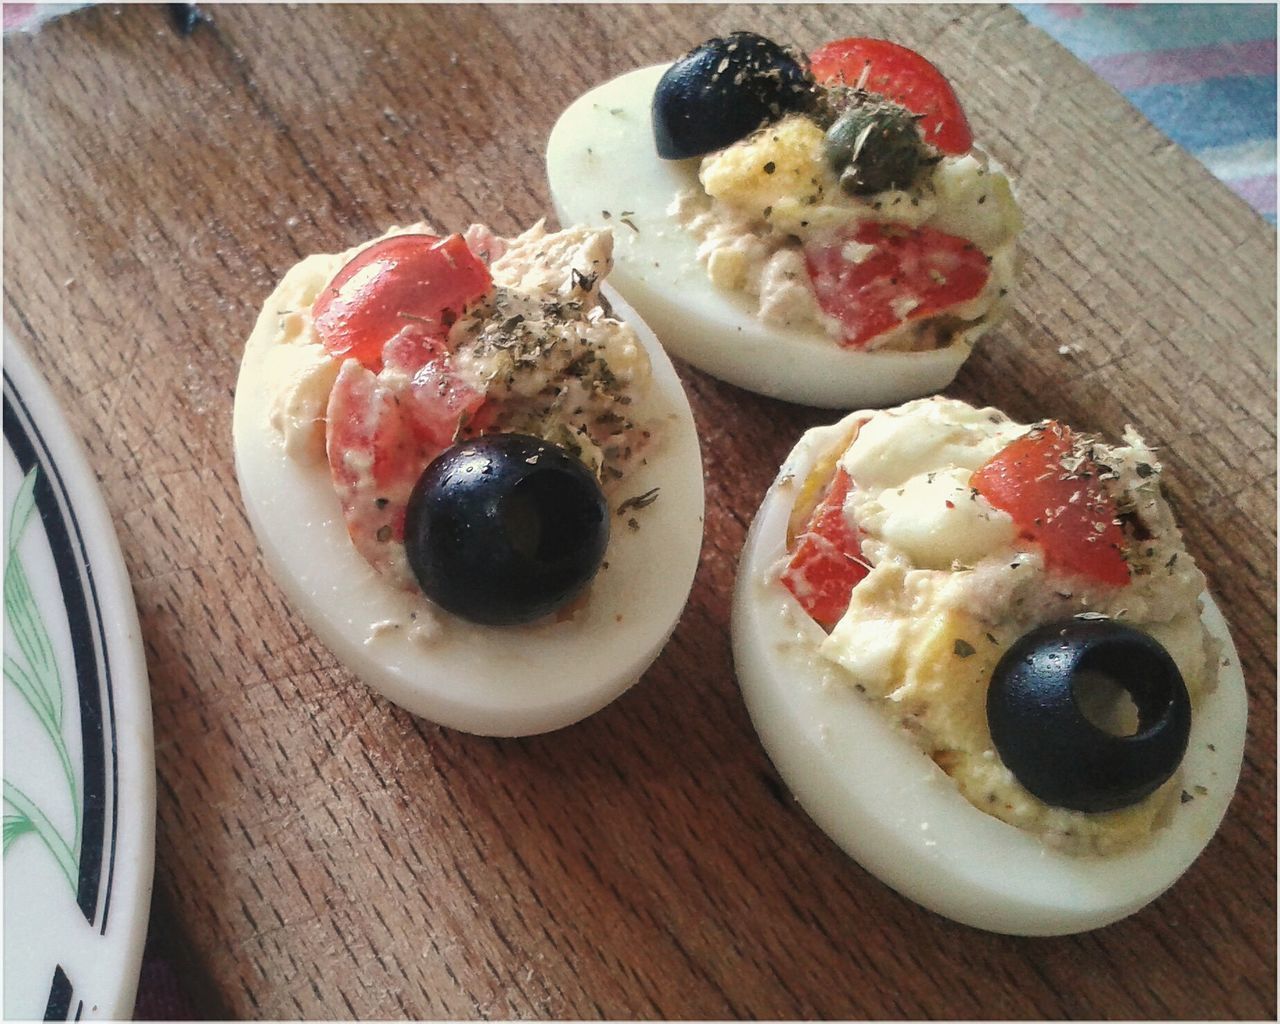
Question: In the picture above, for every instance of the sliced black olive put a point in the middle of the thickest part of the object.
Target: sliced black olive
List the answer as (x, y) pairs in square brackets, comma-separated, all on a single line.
[(723, 90), (874, 146), (505, 529), (1037, 712)]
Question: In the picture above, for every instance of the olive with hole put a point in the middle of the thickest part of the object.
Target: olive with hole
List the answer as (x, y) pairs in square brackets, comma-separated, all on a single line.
[(1036, 709), (874, 146), (505, 529), (723, 90)]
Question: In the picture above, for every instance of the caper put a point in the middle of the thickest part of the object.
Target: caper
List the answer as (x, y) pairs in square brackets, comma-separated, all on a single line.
[(873, 147)]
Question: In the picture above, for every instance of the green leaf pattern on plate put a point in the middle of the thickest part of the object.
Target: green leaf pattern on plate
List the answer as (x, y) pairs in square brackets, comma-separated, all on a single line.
[(36, 677)]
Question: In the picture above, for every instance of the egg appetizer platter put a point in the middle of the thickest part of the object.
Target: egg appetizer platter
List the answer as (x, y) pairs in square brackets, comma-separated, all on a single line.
[(963, 641), (489, 682)]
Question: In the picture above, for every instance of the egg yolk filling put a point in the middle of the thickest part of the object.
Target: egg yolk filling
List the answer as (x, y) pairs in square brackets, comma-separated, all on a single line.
[(941, 534), (907, 263), (393, 352)]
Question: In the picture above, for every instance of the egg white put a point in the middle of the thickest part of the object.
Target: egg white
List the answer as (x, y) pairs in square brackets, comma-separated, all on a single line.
[(498, 681), (601, 158), (887, 805)]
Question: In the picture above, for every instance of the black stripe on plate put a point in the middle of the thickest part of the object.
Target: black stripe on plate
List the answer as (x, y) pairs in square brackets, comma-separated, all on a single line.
[(59, 1004), (24, 437)]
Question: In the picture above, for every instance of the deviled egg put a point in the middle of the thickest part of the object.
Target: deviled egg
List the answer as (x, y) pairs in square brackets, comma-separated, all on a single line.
[(823, 231), (981, 658), (465, 461)]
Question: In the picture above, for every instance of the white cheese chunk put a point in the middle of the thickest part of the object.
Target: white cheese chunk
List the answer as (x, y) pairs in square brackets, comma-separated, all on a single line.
[(303, 375), (868, 648), (923, 436), (935, 520)]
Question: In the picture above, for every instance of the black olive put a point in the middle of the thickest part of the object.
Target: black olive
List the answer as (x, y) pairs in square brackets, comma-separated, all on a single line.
[(874, 146), (505, 529), (723, 90), (1041, 731)]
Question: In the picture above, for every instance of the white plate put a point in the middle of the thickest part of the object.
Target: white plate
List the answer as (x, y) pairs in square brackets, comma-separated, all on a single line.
[(79, 769)]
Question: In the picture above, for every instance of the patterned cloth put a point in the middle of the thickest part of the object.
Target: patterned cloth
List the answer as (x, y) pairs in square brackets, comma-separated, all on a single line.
[(29, 17), (1204, 74)]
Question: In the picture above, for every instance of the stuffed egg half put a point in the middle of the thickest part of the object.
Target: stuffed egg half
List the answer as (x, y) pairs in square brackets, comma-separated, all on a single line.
[(883, 300), (857, 755), (344, 569)]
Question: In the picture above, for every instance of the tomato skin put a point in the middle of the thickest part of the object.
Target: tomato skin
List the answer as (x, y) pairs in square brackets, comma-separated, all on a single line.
[(822, 574), (397, 282), (934, 269), (903, 76), (1057, 508)]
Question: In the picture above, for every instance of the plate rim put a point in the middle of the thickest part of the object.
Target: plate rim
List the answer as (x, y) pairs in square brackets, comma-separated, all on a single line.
[(125, 681)]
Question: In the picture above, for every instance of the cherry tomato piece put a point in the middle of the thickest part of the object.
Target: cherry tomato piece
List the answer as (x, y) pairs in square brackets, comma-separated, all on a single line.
[(400, 281), (1052, 492), (382, 429), (826, 564), (903, 76), (912, 273)]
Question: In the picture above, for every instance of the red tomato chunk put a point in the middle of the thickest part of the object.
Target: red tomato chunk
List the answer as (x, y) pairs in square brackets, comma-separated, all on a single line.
[(827, 563), (903, 76), (913, 273), (1057, 504), (398, 282), (381, 434)]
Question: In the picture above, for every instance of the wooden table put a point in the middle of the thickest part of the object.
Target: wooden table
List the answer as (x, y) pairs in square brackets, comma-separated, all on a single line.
[(326, 854)]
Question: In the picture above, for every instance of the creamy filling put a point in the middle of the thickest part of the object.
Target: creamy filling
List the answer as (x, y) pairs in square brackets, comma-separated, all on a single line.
[(539, 355), (751, 226), (542, 347), (951, 587)]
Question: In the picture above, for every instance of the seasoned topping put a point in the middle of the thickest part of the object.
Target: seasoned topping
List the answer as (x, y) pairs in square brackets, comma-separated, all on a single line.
[(426, 357), (939, 517), (554, 365), (568, 266), (906, 230)]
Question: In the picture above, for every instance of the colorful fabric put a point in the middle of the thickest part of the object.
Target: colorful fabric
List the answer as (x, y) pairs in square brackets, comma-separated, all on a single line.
[(1204, 74), (29, 17)]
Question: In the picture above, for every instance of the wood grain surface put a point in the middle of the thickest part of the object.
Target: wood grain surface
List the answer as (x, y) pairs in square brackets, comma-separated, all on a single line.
[(326, 854)]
